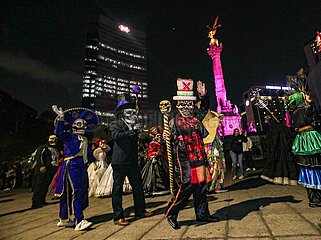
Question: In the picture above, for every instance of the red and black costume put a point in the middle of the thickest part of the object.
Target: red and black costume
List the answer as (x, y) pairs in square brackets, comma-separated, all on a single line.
[(191, 170), (155, 172)]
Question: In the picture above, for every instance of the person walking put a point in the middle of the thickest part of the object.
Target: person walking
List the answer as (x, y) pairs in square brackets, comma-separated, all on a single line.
[(247, 152), (236, 152), (124, 133)]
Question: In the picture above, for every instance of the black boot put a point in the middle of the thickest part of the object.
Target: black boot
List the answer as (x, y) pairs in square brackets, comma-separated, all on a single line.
[(172, 220)]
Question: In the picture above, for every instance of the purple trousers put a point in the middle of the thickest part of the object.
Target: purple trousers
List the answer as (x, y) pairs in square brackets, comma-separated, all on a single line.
[(74, 197)]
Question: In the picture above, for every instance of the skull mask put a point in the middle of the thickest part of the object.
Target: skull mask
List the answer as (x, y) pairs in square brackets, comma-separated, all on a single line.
[(165, 106), (130, 115), (79, 126), (185, 108), (52, 140)]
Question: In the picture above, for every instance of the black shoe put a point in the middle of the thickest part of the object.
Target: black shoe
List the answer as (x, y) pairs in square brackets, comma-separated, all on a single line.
[(208, 219), (173, 222)]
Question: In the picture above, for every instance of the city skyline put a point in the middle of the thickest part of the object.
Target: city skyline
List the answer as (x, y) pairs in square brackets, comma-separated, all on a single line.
[(43, 45)]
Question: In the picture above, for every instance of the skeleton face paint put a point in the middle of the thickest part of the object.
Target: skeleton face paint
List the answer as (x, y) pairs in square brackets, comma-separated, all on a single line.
[(130, 116), (52, 140), (185, 108), (79, 126)]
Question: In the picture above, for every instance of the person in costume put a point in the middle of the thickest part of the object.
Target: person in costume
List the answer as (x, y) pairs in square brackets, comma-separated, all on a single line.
[(280, 166), (124, 132), (72, 185), (191, 170), (46, 165), (307, 143), (105, 186), (97, 169), (155, 172), (214, 150)]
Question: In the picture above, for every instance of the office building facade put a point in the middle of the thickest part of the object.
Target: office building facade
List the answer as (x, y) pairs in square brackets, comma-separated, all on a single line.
[(115, 61)]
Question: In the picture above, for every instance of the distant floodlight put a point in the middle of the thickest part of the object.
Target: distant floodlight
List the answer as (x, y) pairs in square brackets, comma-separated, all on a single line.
[(124, 28)]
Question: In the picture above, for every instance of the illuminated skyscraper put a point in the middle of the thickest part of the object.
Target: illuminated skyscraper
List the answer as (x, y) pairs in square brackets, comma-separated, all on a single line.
[(115, 61)]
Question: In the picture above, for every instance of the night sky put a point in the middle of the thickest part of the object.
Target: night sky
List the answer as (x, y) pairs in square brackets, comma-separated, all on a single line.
[(42, 44)]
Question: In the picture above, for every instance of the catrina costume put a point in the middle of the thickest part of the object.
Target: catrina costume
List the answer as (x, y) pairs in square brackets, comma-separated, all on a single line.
[(307, 147), (214, 150), (191, 170), (72, 184), (155, 172)]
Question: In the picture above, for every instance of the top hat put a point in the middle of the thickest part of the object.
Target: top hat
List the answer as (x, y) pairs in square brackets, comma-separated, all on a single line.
[(185, 90), (124, 102)]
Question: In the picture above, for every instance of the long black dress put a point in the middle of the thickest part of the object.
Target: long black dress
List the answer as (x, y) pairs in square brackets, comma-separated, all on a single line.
[(155, 172), (280, 165)]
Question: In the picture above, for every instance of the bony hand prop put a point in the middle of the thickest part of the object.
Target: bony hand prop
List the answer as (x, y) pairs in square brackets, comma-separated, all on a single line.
[(59, 111)]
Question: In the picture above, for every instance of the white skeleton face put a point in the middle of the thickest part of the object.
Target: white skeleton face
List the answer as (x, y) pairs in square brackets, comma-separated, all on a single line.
[(79, 126), (130, 115), (185, 108), (52, 140)]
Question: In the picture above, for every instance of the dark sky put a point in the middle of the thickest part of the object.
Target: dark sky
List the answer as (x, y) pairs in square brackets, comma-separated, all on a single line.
[(42, 44)]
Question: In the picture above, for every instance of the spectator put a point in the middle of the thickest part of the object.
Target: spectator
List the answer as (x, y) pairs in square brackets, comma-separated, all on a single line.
[(247, 152), (236, 152)]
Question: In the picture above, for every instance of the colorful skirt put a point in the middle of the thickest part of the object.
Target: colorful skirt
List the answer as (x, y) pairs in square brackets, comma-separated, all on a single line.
[(307, 143), (310, 178), (216, 160)]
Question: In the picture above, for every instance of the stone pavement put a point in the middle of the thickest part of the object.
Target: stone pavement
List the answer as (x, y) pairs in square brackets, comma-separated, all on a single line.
[(252, 209)]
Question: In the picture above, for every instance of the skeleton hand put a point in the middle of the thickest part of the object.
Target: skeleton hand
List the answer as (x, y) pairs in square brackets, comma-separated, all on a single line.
[(137, 126), (59, 111), (201, 89)]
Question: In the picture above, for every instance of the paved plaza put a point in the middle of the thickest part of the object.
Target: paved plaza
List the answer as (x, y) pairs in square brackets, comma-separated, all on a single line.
[(252, 209)]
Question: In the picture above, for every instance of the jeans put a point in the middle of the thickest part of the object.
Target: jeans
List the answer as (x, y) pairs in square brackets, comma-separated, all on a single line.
[(237, 159)]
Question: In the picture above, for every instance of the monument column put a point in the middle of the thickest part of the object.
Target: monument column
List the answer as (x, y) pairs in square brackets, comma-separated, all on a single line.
[(232, 118), (215, 52)]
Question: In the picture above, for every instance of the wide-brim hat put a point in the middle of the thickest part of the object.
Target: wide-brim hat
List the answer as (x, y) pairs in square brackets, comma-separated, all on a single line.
[(185, 90), (70, 115), (123, 104)]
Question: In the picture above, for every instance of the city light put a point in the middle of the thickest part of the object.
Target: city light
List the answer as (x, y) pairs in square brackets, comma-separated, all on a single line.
[(124, 28)]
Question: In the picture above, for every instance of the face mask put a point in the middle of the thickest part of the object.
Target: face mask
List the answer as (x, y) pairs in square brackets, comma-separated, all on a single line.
[(185, 108), (79, 126), (130, 115), (52, 140)]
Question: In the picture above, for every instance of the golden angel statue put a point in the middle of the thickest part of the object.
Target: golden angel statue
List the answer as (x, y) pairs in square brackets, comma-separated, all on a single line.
[(212, 32)]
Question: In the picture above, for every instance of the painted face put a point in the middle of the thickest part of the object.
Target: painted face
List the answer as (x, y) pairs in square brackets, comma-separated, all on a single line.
[(79, 126), (130, 115), (185, 108), (52, 140), (103, 144), (158, 137)]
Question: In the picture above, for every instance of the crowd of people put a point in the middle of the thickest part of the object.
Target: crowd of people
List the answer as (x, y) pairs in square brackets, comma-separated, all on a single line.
[(185, 158)]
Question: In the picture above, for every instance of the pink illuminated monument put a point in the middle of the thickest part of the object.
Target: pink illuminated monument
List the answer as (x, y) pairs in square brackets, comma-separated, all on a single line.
[(232, 118)]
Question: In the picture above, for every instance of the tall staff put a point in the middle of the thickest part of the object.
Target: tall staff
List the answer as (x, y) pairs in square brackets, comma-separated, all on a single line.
[(165, 108)]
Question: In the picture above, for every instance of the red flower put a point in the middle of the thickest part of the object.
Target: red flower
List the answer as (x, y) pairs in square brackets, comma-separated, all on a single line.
[(187, 139), (192, 156)]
